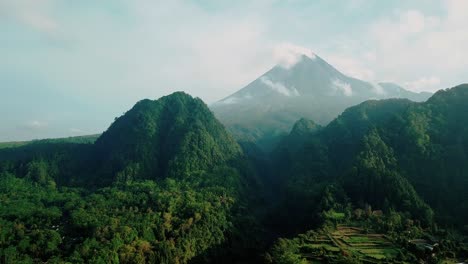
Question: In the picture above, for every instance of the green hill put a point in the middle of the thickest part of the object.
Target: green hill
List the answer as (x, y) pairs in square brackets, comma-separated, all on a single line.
[(175, 136), (390, 154), (394, 166)]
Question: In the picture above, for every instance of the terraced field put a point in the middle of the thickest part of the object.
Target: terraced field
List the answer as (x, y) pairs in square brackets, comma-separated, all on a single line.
[(350, 242), (367, 247)]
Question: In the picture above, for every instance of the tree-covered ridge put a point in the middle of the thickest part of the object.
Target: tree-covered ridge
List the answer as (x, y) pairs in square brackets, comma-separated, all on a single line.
[(89, 139), (391, 154)]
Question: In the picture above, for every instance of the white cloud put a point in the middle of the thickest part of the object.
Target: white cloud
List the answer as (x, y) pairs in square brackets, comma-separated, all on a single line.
[(378, 89), (288, 54), (456, 13), (414, 43), (412, 21), (33, 13), (370, 56), (279, 87), (405, 44), (343, 87), (35, 125), (216, 53), (424, 84)]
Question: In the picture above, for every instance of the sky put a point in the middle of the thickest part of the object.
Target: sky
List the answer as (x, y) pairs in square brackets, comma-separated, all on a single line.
[(68, 68)]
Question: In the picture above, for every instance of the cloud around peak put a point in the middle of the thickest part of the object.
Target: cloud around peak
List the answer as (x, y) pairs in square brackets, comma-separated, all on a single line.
[(279, 87), (288, 54)]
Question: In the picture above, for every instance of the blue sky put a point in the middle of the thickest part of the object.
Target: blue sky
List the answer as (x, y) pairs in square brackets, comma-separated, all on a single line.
[(69, 67)]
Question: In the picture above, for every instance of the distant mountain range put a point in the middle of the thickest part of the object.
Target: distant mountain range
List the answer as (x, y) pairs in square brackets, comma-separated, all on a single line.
[(311, 88)]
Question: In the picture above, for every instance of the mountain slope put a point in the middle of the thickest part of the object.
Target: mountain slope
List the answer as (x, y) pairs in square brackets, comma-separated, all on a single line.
[(311, 88)]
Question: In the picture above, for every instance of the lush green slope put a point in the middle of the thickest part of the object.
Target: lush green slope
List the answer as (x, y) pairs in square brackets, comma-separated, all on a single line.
[(394, 166), (164, 184)]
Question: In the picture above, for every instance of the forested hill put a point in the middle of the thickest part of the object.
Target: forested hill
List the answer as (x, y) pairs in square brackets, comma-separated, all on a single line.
[(164, 184), (390, 154), (174, 136)]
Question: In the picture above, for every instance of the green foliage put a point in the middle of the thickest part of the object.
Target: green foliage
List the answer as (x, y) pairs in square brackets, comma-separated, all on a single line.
[(143, 222), (375, 173), (286, 252)]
